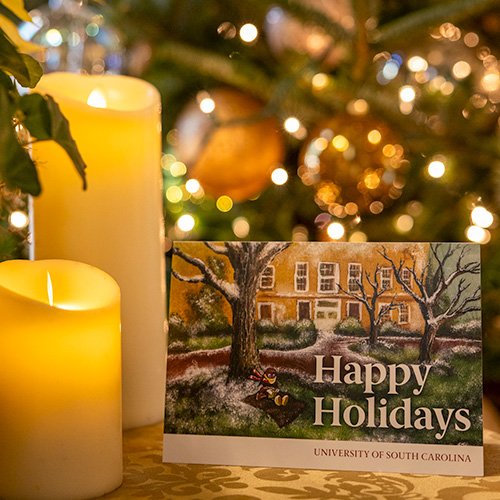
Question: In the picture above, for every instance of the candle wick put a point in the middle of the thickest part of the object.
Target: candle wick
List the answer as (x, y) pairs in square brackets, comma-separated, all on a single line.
[(50, 292)]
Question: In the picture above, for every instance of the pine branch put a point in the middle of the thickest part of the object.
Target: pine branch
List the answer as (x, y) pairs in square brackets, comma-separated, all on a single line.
[(302, 11), (282, 93), (453, 12)]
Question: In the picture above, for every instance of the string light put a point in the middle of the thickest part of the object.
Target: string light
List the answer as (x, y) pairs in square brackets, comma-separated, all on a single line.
[(224, 203), (335, 230), (436, 169), (404, 223), (481, 217), (407, 93), (478, 234), (186, 223), (192, 186), (207, 105), (18, 219), (417, 63), (241, 227), (174, 194), (319, 81), (279, 176), (291, 124), (248, 32), (374, 136), (358, 237), (178, 169)]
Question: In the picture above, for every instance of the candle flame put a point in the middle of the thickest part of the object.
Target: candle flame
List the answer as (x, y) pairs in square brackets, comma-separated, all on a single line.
[(50, 293), (96, 99)]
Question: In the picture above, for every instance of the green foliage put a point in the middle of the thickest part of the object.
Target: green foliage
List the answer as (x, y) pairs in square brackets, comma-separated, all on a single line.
[(350, 327), (288, 336), (39, 115), (206, 404)]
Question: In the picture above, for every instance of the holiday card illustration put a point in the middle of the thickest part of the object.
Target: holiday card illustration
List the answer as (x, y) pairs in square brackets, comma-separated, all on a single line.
[(346, 356)]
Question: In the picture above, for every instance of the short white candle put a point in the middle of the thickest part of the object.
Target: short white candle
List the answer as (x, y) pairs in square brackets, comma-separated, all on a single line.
[(60, 391)]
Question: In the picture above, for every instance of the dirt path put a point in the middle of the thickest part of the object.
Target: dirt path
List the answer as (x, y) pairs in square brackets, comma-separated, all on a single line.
[(302, 359)]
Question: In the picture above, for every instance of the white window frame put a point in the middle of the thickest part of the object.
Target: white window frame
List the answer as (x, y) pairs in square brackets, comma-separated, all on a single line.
[(310, 308), (358, 303), (334, 277), (264, 276), (358, 277), (296, 276), (407, 280), (259, 305), (319, 308), (405, 304), (382, 279), (388, 313)]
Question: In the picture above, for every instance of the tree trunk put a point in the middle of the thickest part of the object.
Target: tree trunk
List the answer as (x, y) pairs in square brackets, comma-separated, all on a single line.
[(426, 343), (374, 331), (244, 353)]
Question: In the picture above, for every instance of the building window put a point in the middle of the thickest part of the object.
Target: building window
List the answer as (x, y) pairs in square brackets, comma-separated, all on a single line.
[(354, 310), (354, 275), (267, 278), (301, 277), (386, 278), (303, 309), (384, 316), (327, 309), (327, 277), (265, 310), (406, 277), (404, 314)]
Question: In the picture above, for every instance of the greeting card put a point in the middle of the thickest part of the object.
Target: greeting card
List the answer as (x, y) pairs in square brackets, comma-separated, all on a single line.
[(346, 356)]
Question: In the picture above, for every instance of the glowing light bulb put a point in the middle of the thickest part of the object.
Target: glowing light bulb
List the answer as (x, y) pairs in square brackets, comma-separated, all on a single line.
[(53, 37), (436, 169), (320, 81), (174, 194), (241, 227), (207, 105), (417, 63), (407, 93), (185, 223), (50, 292), (18, 219), (340, 143), (335, 230), (279, 176), (224, 203), (374, 136), (291, 124), (96, 99), (192, 186), (461, 69), (404, 223), (481, 217), (248, 32), (478, 234)]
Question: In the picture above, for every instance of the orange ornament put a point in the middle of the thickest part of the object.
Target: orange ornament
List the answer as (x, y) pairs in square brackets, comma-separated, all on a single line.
[(230, 151)]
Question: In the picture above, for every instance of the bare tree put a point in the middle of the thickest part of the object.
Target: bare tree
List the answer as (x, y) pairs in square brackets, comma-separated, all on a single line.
[(430, 289), (249, 260), (371, 304)]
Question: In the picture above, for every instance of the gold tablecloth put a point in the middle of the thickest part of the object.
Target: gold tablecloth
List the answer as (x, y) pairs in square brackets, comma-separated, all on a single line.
[(146, 477)]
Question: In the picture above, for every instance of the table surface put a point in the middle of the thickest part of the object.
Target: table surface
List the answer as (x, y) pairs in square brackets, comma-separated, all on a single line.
[(146, 477)]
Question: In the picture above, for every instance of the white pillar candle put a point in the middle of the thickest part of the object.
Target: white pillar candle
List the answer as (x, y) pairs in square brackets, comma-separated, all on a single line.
[(60, 417), (116, 225)]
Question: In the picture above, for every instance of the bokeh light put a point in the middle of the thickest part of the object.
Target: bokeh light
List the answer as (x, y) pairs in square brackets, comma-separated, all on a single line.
[(335, 230), (279, 176), (249, 32), (18, 219), (186, 223), (482, 217)]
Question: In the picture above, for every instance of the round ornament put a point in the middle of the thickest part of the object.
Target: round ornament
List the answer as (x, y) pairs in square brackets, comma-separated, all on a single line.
[(285, 32), (230, 150), (76, 37), (355, 165)]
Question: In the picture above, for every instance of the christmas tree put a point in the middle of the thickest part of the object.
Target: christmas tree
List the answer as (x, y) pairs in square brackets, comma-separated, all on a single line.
[(323, 119)]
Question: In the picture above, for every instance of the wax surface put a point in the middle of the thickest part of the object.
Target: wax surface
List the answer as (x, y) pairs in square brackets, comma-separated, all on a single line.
[(116, 224), (60, 367)]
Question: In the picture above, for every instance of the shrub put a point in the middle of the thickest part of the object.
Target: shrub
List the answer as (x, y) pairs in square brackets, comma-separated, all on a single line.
[(390, 329), (350, 327)]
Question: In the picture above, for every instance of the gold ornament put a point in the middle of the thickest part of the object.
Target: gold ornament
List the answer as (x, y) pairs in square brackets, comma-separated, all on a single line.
[(355, 164), (230, 150)]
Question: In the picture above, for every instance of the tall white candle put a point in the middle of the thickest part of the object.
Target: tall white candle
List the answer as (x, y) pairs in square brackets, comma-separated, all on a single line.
[(60, 418), (116, 225)]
